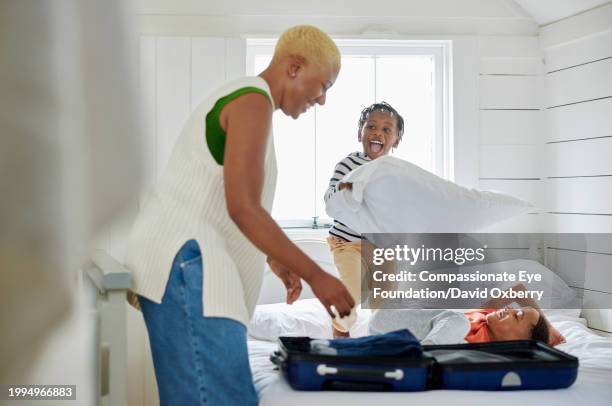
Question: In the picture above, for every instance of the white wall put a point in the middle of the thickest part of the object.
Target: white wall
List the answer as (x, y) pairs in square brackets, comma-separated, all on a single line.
[(510, 123), (578, 148)]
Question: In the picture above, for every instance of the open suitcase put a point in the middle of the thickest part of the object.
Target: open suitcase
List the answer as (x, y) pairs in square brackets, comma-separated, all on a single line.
[(306, 371), (505, 365)]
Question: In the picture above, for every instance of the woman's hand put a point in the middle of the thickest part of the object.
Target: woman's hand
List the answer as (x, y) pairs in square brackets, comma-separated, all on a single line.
[(292, 282), (330, 291)]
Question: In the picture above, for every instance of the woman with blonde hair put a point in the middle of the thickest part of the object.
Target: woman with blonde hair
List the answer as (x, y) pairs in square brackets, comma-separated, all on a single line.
[(197, 246)]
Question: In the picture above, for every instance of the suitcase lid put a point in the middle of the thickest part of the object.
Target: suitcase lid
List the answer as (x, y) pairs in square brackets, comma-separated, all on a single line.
[(499, 355)]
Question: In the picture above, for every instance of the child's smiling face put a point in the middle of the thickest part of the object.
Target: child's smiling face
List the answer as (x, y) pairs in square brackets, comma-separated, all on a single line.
[(379, 134)]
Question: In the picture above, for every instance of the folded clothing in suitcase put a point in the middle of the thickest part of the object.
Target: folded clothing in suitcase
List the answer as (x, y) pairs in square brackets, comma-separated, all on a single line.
[(395, 343), (306, 370), (506, 365)]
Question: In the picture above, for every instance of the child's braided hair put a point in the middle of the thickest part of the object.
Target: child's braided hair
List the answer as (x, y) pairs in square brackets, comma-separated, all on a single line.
[(386, 108)]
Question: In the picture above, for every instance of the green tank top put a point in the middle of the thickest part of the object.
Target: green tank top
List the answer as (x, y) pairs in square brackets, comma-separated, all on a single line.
[(215, 136)]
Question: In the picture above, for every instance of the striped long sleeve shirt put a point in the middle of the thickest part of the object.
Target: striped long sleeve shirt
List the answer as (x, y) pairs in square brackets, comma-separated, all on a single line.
[(352, 161)]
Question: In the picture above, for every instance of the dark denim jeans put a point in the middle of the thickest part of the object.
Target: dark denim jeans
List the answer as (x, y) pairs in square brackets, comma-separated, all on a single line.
[(198, 360)]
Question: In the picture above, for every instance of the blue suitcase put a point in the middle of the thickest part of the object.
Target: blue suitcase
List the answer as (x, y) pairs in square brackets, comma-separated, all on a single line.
[(506, 365), (315, 372)]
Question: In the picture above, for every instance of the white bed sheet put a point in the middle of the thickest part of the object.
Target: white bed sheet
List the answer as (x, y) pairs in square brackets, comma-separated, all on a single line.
[(593, 386)]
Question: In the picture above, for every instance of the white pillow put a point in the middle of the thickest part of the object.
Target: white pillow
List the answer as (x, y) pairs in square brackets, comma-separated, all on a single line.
[(561, 295), (306, 317), (390, 195), (562, 314), (557, 293), (559, 300)]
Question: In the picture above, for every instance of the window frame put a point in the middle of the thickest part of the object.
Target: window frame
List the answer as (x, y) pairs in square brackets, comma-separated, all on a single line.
[(440, 50)]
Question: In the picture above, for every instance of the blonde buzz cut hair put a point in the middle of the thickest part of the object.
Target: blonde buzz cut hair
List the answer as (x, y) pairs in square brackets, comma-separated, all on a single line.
[(309, 42)]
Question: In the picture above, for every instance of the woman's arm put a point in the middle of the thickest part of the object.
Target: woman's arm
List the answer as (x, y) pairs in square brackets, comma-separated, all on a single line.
[(292, 282), (246, 122)]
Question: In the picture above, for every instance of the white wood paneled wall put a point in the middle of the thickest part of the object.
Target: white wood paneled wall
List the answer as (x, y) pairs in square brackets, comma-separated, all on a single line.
[(511, 130), (578, 145), (578, 152), (176, 73)]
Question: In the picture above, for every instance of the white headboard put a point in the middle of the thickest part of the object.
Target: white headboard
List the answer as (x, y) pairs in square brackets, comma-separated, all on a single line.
[(273, 290)]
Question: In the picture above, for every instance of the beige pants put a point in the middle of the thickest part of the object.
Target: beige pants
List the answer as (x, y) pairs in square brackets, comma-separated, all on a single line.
[(349, 262), (347, 258)]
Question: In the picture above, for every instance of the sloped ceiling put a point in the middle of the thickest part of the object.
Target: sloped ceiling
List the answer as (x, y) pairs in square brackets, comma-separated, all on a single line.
[(452, 9), (541, 11), (405, 16), (338, 17), (547, 11)]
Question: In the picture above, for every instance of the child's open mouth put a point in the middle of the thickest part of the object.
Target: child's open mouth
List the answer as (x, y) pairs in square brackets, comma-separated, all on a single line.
[(376, 146)]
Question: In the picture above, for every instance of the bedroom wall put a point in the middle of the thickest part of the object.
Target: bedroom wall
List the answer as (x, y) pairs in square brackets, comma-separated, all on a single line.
[(510, 85), (578, 151)]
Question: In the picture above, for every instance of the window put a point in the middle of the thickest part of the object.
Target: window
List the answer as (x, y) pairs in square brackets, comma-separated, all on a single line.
[(412, 76)]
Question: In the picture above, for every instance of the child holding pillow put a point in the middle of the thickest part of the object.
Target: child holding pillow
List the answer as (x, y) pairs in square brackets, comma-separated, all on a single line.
[(380, 130)]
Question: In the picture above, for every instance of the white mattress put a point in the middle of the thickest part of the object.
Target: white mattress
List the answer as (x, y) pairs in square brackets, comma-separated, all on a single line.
[(593, 386)]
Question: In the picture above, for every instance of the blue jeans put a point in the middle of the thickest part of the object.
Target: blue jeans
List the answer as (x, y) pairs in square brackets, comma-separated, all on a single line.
[(198, 360)]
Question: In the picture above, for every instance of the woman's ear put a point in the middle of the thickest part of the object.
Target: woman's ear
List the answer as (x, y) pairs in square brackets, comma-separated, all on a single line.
[(296, 63)]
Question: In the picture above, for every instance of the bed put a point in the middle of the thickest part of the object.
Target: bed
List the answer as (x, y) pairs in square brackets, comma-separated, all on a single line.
[(592, 387), (594, 351)]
